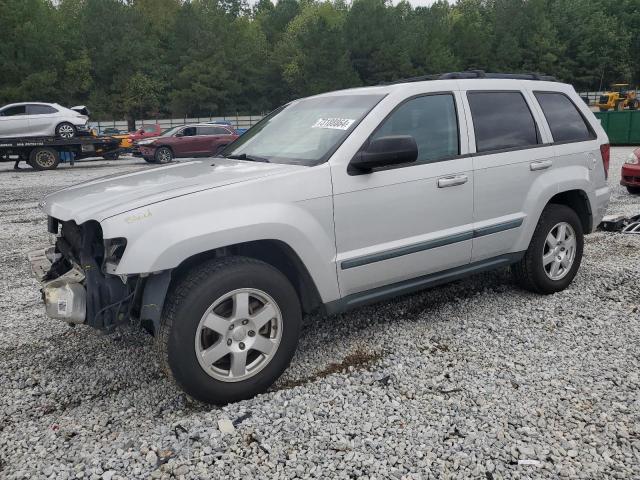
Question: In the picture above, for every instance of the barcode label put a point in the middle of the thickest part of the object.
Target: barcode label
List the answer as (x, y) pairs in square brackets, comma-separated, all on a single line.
[(333, 123), (62, 307)]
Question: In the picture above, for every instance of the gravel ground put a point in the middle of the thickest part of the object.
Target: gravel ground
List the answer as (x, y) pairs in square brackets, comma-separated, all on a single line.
[(475, 379)]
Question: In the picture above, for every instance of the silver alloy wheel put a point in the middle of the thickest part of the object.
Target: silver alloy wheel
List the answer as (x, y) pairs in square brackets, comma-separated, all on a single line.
[(45, 159), (66, 131), (164, 155), (559, 251), (238, 335)]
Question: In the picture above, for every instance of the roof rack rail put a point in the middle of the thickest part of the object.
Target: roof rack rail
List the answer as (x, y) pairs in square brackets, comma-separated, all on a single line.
[(476, 74)]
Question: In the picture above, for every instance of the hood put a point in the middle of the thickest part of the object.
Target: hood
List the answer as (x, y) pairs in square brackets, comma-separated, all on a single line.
[(104, 197)]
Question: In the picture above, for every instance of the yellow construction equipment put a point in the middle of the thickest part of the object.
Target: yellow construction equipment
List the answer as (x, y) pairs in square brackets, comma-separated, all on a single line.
[(620, 97)]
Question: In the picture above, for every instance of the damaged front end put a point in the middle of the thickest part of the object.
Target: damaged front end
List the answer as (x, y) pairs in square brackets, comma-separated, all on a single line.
[(78, 285)]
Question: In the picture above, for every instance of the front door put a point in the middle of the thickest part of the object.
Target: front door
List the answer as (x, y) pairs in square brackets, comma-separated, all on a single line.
[(186, 145), (414, 219)]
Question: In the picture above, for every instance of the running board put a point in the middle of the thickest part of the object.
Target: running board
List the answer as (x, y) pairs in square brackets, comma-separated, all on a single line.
[(420, 283)]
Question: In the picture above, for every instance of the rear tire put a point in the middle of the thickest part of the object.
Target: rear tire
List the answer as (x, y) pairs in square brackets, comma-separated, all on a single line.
[(43, 158), (163, 155), (212, 291), (66, 131), (633, 190), (535, 272)]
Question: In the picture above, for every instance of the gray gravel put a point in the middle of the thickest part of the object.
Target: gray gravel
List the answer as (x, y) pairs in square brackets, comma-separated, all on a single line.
[(475, 379)]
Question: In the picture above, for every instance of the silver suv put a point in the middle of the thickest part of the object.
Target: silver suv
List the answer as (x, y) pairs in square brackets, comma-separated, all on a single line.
[(329, 203)]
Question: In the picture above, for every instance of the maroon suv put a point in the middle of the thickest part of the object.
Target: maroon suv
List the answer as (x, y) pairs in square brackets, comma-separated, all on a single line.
[(198, 140)]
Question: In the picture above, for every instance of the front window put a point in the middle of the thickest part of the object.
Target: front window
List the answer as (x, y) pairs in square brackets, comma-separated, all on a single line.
[(431, 120), (304, 132)]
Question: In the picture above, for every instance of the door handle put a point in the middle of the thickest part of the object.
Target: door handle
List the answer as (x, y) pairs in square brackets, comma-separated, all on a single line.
[(540, 165), (452, 181)]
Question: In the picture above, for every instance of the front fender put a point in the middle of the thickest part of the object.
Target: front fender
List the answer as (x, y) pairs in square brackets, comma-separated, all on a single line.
[(162, 236)]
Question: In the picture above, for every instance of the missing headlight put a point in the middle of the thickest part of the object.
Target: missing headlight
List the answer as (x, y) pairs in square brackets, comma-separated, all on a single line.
[(113, 250)]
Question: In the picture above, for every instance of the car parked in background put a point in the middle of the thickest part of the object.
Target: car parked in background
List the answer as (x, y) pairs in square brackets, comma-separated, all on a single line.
[(630, 175), (197, 140), (146, 131), (35, 119)]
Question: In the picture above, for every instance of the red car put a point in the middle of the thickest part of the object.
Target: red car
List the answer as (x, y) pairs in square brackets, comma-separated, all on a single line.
[(146, 131), (199, 140), (630, 175)]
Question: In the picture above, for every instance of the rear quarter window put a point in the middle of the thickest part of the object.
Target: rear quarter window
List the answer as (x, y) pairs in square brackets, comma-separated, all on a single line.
[(502, 120), (565, 120)]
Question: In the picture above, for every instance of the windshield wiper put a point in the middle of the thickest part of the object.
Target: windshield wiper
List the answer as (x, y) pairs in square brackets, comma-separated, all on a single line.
[(244, 156)]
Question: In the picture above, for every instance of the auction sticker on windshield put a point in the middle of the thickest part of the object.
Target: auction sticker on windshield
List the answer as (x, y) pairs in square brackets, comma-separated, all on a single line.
[(334, 123)]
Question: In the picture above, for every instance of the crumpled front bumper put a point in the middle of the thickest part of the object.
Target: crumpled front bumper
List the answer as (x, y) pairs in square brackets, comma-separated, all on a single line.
[(65, 297)]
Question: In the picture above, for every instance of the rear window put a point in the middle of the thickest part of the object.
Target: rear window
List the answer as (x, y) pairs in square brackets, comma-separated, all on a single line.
[(212, 131), (502, 120), (40, 109), (564, 119)]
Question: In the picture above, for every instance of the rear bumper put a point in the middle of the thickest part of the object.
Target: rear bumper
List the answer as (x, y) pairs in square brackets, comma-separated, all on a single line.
[(65, 297), (630, 175), (599, 205)]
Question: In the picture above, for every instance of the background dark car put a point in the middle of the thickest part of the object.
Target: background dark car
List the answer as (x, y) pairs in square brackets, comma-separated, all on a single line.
[(199, 140)]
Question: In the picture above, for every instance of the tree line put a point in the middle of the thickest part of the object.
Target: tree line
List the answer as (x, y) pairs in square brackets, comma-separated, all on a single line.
[(134, 58)]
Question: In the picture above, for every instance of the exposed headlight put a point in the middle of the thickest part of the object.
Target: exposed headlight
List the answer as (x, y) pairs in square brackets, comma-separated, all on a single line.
[(634, 157), (145, 142)]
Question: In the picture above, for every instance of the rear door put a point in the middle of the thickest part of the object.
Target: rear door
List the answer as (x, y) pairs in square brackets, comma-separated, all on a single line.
[(212, 138), (14, 121), (511, 151), (42, 119)]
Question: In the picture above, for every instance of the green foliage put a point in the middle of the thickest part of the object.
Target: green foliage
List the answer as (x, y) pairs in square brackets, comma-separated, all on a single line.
[(132, 58)]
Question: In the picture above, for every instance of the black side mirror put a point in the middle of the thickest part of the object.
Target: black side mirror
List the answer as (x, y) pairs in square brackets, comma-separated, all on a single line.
[(179, 134), (383, 152)]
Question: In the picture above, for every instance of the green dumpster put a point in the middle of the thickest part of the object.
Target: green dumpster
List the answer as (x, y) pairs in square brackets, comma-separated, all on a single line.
[(623, 128)]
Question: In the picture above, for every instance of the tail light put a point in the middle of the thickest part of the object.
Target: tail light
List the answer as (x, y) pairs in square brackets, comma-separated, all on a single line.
[(605, 151), (634, 157)]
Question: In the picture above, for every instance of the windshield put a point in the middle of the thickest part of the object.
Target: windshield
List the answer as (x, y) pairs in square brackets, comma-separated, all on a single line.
[(170, 131), (304, 132)]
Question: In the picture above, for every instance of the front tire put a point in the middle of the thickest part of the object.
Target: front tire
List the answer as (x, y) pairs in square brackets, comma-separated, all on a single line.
[(229, 329), (633, 190), (163, 155), (555, 252), (66, 131)]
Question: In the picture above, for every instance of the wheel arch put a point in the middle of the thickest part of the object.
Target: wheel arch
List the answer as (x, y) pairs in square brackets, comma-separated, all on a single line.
[(578, 201), (276, 253), (165, 146), (55, 129)]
